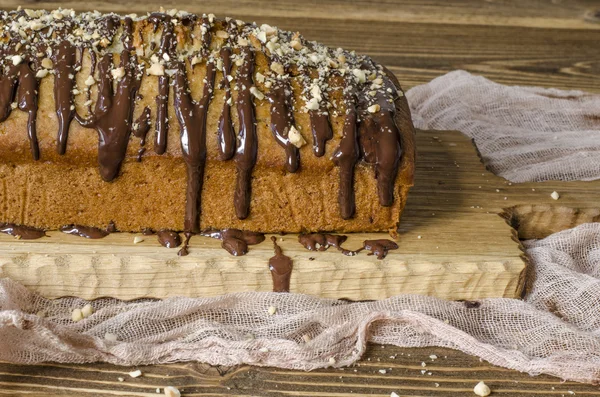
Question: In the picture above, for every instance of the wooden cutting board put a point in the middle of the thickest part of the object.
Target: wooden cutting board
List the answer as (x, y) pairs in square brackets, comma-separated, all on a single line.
[(459, 239)]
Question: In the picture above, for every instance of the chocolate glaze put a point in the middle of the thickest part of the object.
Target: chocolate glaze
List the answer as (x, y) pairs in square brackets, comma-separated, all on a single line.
[(111, 227), (346, 155), (167, 46), (281, 269), (20, 84), (84, 231), (64, 58), (112, 117), (310, 241), (225, 133), (184, 250), (321, 130), (142, 126), (235, 241), (320, 126), (192, 118), (379, 247), (24, 232), (169, 238), (380, 142), (282, 120), (245, 156)]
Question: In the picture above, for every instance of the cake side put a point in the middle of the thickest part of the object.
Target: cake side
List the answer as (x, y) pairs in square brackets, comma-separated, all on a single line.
[(218, 72)]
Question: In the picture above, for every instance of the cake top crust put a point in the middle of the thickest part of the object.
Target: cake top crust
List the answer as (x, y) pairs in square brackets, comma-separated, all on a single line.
[(169, 45)]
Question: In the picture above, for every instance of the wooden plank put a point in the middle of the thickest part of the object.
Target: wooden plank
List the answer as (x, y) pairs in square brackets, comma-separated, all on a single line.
[(432, 258), (419, 50), (453, 244), (536, 13), (452, 373), (539, 56)]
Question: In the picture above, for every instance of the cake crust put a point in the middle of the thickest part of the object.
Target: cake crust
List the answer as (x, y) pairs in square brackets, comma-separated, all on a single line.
[(292, 154)]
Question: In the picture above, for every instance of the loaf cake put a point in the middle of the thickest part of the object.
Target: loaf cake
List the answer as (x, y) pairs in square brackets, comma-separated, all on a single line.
[(189, 122)]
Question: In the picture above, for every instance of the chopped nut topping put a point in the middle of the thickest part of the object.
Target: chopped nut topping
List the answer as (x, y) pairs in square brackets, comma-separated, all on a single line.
[(156, 70), (295, 137), (555, 195), (262, 36), (260, 77), (374, 108), (360, 74), (118, 73), (257, 94), (296, 45), (312, 104), (222, 34), (268, 29), (138, 239), (40, 74), (16, 59), (47, 63), (272, 309), (277, 68), (90, 81)]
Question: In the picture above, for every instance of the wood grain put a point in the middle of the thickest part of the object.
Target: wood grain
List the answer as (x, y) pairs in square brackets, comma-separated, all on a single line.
[(527, 42), (450, 374), (547, 43)]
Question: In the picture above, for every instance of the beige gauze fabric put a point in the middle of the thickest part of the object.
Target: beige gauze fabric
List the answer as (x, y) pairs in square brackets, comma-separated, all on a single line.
[(525, 134)]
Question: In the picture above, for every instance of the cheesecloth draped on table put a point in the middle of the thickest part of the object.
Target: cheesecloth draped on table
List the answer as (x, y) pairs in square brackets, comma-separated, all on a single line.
[(524, 134)]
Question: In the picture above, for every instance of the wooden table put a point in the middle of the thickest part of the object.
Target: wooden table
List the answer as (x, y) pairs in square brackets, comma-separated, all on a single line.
[(547, 43)]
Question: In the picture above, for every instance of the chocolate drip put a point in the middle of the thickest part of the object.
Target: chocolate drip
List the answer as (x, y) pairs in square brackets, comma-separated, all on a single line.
[(140, 130), (380, 247), (320, 242), (21, 85), (321, 130), (184, 250), (113, 113), (192, 118), (169, 238), (167, 47), (147, 231), (281, 269), (319, 125), (84, 231), (142, 126), (380, 142), (235, 241), (64, 58), (245, 157), (206, 37), (346, 155), (282, 120), (225, 133), (111, 227), (23, 232)]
